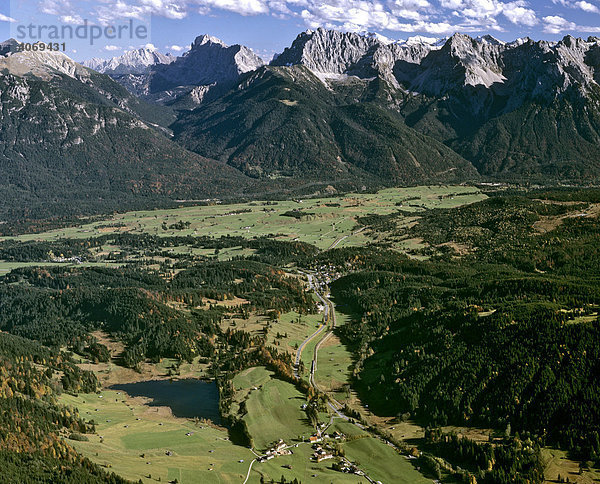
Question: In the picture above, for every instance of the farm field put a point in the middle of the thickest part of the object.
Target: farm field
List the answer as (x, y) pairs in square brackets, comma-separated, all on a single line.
[(304, 469), (293, 329), (322, 221), (558, 463)]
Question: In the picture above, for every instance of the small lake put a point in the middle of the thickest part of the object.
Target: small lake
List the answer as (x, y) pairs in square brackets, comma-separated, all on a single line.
[(186, 398)]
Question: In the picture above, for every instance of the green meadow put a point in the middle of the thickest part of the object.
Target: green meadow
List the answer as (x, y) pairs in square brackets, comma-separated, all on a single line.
[(322, 221), (273, 412), (273, 408), (133, 439)]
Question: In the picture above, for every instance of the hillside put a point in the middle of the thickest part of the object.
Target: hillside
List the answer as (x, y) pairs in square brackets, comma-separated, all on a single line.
[(284, 121), (71, 142)]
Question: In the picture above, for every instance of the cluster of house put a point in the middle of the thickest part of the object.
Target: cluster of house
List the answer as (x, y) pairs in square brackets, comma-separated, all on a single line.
[(329, 273), (280, 448), (70, 260), (318, 437), (349, 468), (320, 453)]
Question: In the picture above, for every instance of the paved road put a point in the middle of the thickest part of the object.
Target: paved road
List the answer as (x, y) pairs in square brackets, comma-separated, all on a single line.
[(318, 331), (333, 404), (341, 239)]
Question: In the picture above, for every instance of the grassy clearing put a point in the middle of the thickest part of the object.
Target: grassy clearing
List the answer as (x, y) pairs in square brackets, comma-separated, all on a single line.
[(557, 463), (273, 412), (334, 363), (303, 469), (293, 328), (380, 461), (125, 439), (327, 219), (334, 367)]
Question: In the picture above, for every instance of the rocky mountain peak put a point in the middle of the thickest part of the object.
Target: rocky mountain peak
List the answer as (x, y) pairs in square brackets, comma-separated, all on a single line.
[(422, 40), (137, 61), (488, 39), (327, 51), (207, 39), (209, 61), (7, 47), (44, 65)]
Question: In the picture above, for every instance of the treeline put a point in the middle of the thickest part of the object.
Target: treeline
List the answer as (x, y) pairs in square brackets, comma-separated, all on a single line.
[(31, 420), (37, 467), (511, 459), (266, 249)]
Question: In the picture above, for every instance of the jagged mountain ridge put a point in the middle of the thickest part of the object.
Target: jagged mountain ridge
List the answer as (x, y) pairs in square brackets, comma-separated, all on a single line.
[(138, 61), (284, 121), (461, 91), (208, 69), (430, 68), (419, 65), (469, 94)]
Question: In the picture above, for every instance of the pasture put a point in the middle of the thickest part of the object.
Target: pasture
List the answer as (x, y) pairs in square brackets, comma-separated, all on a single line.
[(134, 440)]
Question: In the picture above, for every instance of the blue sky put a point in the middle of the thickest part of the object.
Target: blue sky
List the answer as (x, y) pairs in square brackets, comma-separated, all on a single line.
[(268, 26)]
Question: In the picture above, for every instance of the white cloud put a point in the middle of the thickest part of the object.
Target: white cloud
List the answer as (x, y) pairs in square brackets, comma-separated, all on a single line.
[(243, 7), (111, 47), (411, 16), (150, 46), (63, 9), (483, 14), (4, 18), (108, 13), (358, 15), (518, 14), (587, 7), (582, 5), (554, 24), (176, 48), (165, 8), (411, 9)]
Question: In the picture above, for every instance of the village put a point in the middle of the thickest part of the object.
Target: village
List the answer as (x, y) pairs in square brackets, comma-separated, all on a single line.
[(324, 447)]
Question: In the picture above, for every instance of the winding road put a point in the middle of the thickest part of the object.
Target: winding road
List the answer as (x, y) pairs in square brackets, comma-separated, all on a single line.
[(249, 470), (329, 323)]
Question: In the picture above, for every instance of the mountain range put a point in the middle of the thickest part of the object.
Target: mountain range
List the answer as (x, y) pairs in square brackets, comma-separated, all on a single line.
[(334, 108), (209, 66)]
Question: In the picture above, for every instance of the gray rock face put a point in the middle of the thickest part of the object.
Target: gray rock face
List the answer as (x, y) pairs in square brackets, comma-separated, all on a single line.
[(45, 65), (523, 68), (139, 61), (327, 51), (7, 47), (332, 54), (208, 61), (209, 66)]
